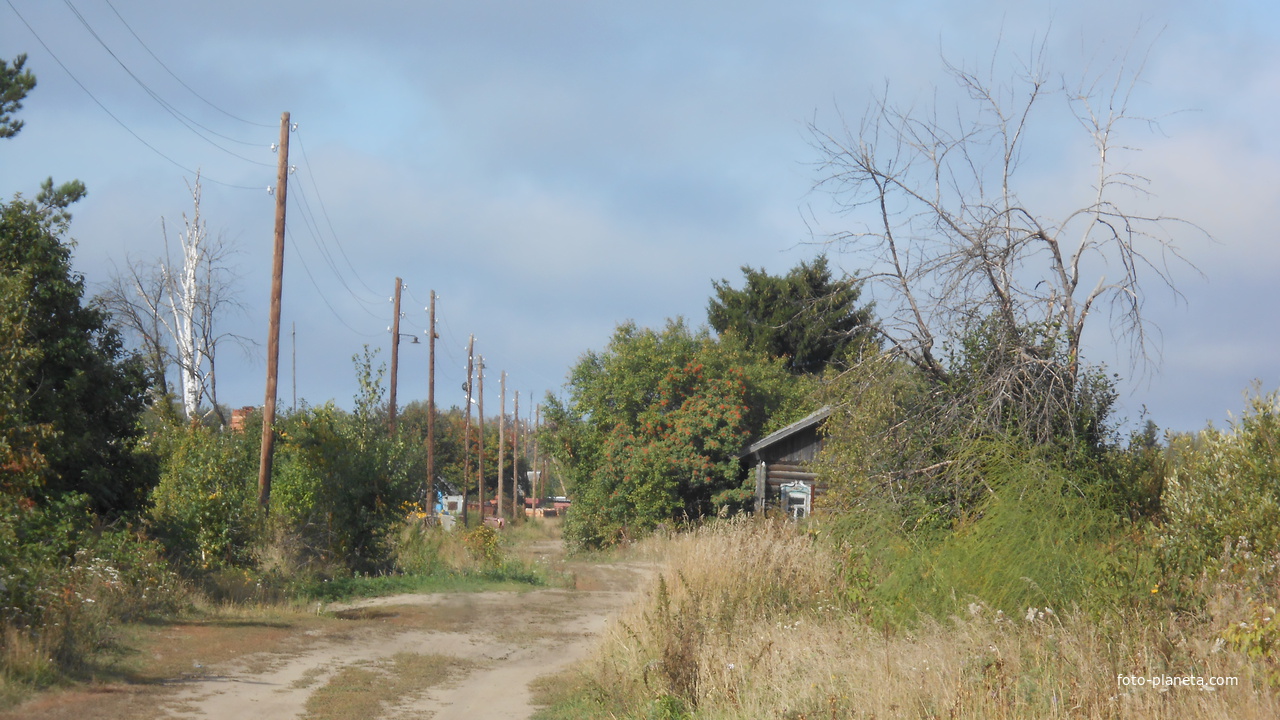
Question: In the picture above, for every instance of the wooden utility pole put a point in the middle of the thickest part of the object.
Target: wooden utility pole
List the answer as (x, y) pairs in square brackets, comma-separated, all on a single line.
[(542, 479), (431, 410), (537, 477), (273, 323), (466, 432), (395, 358), (502, 442), (515, 456), (480, 451)]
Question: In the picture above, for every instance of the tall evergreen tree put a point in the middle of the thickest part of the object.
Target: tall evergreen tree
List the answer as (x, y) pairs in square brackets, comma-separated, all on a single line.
[(76, 380), (805, 316), (70, 397), (15, 83)]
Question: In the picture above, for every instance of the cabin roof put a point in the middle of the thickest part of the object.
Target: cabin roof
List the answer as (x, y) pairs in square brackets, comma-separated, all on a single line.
[(778, 435)]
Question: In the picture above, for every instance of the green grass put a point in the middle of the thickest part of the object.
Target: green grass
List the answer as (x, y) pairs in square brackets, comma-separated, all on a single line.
[(508, 576), (368, 690)]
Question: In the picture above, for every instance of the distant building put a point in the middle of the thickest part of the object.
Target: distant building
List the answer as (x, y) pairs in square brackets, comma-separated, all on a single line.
[(780, 463), (239, 415)]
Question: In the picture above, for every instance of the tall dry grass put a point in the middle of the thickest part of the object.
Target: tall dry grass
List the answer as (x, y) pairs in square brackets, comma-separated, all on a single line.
[(757, 619)]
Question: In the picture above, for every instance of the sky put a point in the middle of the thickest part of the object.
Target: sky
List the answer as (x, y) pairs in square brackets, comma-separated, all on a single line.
[(552, 169)]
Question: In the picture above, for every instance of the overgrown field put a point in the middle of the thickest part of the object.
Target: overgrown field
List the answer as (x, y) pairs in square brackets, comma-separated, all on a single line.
[(1040, 604), (769, 619)]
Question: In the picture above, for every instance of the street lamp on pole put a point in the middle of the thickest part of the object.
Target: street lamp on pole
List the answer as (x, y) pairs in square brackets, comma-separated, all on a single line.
[(395, 356)]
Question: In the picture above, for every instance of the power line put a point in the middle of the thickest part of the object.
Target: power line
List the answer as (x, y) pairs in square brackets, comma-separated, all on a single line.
[(175, 76), (320, 292), (320, 199), (309, 221), (112, 115), (183, 119)]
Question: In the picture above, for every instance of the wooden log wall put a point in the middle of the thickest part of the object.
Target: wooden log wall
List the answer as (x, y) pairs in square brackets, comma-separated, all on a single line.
[(778, 473)]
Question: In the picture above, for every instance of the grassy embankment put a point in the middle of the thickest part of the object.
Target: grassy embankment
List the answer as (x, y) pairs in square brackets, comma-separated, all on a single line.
[(773, 620)]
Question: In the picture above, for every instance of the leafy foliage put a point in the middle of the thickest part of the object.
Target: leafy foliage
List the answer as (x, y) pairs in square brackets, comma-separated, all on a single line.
[(15, 83), (343, 481), (72, 397), (920, 442), (1035, 539), (1224, 491), (806, 317), (67, 581), (652, 424), (206, 504)]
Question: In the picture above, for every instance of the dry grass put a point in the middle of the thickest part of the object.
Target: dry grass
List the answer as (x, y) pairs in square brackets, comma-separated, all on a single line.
[(753, 620)]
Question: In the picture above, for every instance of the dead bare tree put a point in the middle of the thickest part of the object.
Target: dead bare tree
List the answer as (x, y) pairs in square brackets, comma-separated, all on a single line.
[(173, 309), (956, 257)]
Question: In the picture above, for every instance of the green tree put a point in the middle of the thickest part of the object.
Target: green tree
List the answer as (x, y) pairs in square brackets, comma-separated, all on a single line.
[(15, 83), (652, 424), (70, 397), (74, 380), (805, 316), (342, 482)]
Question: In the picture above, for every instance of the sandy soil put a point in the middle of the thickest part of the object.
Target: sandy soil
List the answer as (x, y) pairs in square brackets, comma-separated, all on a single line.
[(503, 641), (508, 639)]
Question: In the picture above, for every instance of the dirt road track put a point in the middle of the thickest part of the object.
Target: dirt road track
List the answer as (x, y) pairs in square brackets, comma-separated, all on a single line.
[(504, 640), (494, 644)]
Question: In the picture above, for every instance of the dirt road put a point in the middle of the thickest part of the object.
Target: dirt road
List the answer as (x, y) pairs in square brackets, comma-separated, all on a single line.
[(440, 656)]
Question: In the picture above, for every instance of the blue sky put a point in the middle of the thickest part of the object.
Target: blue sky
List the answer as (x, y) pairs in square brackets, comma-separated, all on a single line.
[(554, 168)]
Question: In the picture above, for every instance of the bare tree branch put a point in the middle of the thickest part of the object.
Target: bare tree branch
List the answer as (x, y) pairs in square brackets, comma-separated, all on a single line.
[(954, 255)]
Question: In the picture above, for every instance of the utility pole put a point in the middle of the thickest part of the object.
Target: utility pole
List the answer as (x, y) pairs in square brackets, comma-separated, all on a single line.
[(542, 482), (466, 432), (294, 373), (431, 410), (480, 451), (515, 456), (395, 358), (533, 464), (273, 324), (502, 442)]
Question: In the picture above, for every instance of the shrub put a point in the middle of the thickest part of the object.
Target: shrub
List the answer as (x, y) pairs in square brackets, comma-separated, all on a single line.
[(205, 507), (65, 585), (1035, 535), (340, 484), (1224, 491)]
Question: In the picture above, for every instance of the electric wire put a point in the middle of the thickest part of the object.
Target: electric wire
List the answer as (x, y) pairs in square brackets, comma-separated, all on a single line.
[(112, 115), (323, 297), (309, 222), (324, 210), (175, 76), (318, 237), (183, 119)]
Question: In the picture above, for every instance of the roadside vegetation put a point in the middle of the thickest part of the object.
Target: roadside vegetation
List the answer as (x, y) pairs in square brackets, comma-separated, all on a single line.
[(1044, 601), (991, 543), (121, 503)]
